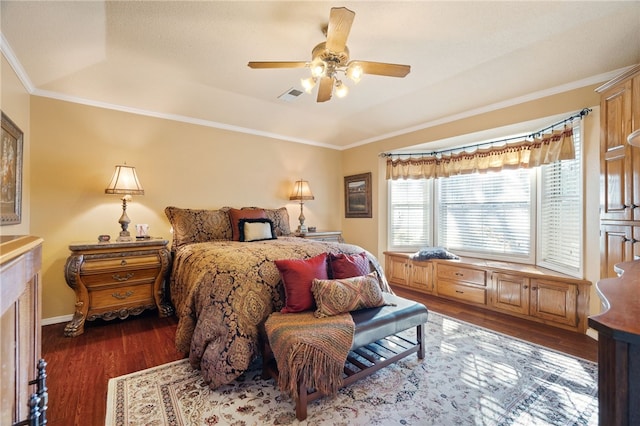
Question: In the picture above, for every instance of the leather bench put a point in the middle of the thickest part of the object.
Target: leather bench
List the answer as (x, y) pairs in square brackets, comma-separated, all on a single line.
[(375, 344)]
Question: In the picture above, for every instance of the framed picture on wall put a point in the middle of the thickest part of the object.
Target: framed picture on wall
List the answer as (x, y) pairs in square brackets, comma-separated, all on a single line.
[(10, 172), (357, 195)]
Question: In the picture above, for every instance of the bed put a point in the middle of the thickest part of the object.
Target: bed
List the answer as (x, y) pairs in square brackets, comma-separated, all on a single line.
[(223, 288)]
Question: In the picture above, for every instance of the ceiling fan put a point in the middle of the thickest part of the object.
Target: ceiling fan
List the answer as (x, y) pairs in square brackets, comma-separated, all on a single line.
[(332, 57)]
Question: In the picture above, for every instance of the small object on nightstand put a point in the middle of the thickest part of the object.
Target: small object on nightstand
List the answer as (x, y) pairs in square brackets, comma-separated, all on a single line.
[(104, 238), (312, 229)]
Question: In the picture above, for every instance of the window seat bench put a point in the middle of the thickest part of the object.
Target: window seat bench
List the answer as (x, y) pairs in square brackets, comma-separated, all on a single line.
[(525, 291)]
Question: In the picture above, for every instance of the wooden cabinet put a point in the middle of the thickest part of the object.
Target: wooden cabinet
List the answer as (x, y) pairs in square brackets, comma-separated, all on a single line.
[(401, 270), (619, 169), (20, 297), (330, 236), (462, 283), (525, 291), (115, 280), (510, 293)]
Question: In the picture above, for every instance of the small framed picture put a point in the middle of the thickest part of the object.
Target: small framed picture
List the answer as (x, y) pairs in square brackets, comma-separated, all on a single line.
[(10, 173), (357, 195)]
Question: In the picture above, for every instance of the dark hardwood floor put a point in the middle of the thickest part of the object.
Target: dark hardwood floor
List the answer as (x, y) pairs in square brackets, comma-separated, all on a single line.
[(79, 368)]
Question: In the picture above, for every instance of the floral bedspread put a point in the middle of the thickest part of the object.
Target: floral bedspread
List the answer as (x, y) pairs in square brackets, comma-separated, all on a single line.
[(222, 292)]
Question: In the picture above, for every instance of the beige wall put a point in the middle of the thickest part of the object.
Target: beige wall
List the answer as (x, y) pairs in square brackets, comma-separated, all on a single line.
[(75, 149), (14, 102), (372, 233)]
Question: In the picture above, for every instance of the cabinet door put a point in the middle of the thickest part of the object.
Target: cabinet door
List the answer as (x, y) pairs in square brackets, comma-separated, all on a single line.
[(615, 154), (510, 293), (554, 301), (616, 245), (421, 276), (396, 270)]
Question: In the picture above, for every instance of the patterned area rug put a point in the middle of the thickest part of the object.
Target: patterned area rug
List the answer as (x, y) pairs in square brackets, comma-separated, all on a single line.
[(470, 376)]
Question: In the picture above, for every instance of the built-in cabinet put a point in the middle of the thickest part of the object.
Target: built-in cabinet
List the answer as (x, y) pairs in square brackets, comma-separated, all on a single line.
[(415, 274), (619, 171), (521, 290), (20, 297)]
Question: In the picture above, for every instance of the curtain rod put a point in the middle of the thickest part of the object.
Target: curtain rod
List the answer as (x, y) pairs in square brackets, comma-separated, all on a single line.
[(584, 112)]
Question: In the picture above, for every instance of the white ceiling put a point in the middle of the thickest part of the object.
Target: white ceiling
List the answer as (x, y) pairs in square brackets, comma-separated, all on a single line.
[(188, 60)]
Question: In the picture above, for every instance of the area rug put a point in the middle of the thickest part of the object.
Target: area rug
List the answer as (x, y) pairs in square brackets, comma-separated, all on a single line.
[(470, 376)]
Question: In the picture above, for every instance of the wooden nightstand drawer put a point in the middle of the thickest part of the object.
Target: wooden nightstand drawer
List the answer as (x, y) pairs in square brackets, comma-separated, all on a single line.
[(95, 263), (462, 292), (462, 275), (114, 297), (120, 276)]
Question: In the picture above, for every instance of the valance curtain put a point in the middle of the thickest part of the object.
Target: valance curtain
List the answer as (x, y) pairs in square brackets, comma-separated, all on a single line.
[(543, 149)]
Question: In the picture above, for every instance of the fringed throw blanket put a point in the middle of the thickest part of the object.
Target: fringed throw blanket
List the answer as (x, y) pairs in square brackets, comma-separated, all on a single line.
[(314, 349)]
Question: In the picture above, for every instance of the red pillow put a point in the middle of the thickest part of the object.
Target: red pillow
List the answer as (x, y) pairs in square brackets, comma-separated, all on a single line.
[(348, 266), (297, 277), (235, 215)]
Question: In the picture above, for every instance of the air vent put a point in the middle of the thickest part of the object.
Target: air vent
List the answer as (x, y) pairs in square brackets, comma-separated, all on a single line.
[(290, 95)]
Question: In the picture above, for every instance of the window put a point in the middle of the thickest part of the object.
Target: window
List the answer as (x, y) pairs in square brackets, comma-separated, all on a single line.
[(526, 215), (487, 214)]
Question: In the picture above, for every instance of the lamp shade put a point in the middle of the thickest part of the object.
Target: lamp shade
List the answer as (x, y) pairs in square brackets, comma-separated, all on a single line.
[(125, 181), (301, 191)]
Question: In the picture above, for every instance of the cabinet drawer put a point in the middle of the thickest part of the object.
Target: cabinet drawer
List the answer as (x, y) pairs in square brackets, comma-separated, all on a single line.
[(121, 296), (460, 274), (110, 263), (462, 292), (120, 276)]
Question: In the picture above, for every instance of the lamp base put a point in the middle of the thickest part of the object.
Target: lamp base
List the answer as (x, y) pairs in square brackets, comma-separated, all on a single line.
[(124, 236), (302, 229)]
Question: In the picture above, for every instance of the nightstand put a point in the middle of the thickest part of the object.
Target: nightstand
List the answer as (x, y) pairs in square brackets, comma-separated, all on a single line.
[(331, 236), (116, 279)]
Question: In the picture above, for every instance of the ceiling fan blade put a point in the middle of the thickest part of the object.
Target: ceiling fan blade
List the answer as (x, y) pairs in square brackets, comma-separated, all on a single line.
[(325, 88), (282, 64), (340, 20), (381, 68)]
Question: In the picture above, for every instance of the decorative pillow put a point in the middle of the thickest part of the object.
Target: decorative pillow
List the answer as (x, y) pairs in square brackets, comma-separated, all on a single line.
[(335, 297), (256, 230), (297, 275), (346, 266), (197, 226), (235, 215), (433, 253), (280, 219)]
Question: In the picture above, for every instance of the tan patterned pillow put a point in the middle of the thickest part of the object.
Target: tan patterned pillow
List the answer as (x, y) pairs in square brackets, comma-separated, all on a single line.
[(197, 226), (335, 297), (280, 219)]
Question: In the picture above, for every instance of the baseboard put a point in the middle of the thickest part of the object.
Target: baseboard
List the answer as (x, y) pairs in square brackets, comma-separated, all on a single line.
[(57, 320)]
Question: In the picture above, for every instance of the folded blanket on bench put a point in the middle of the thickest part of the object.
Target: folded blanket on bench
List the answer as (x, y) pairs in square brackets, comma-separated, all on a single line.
[(310, 348)]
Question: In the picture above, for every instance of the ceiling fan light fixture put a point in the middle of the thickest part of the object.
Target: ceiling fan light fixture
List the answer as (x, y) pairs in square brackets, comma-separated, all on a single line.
[(354, 72), (308, 84), (341, 89)]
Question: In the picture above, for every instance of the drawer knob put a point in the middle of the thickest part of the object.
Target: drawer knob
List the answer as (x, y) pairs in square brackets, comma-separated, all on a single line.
[(123, 262), (118, 277), (458, 291), (121, 296), (459, 274)]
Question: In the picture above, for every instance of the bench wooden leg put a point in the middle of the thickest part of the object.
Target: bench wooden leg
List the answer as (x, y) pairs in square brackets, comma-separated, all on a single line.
[(301, 402), (420, 339)]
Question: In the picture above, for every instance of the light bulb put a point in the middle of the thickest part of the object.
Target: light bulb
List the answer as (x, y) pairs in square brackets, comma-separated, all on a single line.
[(308, 84), (318, 67), (341, 89), (354, 72)]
